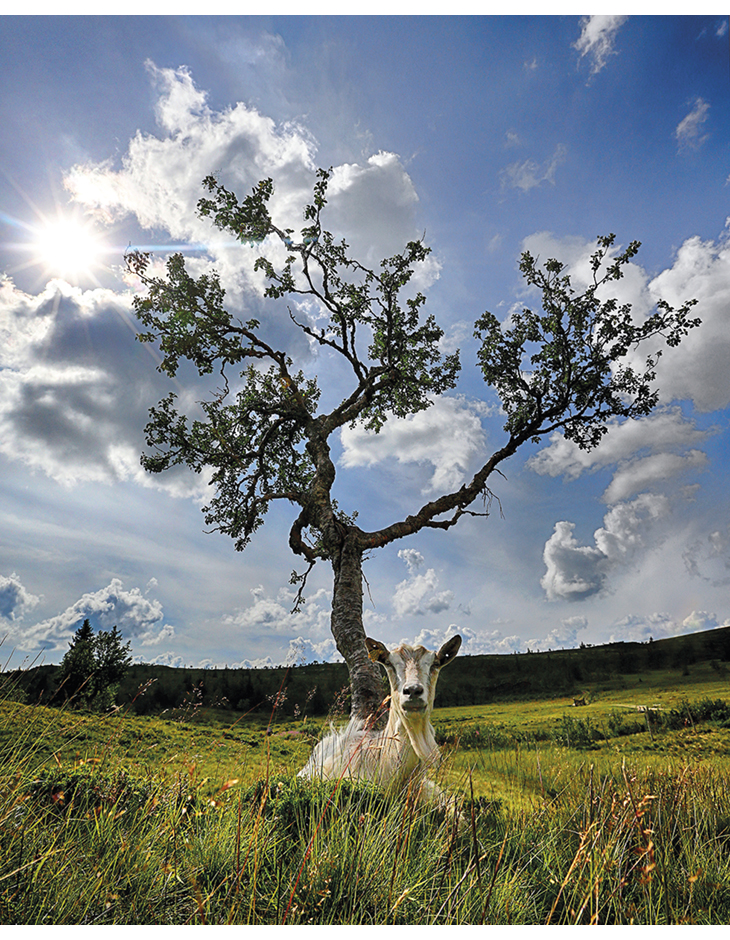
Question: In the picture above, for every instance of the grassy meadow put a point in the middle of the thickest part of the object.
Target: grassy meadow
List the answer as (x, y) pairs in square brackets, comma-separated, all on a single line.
[(617, 812)]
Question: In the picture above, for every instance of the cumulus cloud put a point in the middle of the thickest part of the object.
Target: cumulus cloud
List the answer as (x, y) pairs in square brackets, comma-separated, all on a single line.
[(160, 177), (708, 557), (528, 174), (689, 130), (639, 628), (564, 635), (417, 594), (597, 39), (666, 428), (474, 642), (575, 572), (307, 630), (15, 600), (627, 525), (75, 387), (302, 651), (651, 450), (697, 369), (448, 436), (159, 182), (273, 615), (644, 473), (139, 618), (575, 253)]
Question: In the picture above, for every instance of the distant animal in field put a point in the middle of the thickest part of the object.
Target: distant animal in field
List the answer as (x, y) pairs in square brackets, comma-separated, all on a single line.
[(402, 752)]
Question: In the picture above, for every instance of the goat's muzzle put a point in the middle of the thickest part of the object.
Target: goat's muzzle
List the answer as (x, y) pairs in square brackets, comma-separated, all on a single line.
[(413, 699)]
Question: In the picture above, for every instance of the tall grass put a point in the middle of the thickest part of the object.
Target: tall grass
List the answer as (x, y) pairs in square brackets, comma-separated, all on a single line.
[(537, 837)]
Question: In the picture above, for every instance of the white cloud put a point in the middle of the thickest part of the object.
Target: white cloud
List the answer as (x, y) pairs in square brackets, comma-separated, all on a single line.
[(646, 472), (651, 450), (697, 369), (273, 615), (597, 39), (576, 572), (639, 628), (15, 600), (575, 253), (160, 178), (565, 635), (75, 387), (700, 620), (573, 571), (689, 130), (417, 594), (160, 183), (375, 203), (627, 525), (303, 650), (708, 557), (474, 642), (529, 174), (448, 435), (138, 618), (665, 428)]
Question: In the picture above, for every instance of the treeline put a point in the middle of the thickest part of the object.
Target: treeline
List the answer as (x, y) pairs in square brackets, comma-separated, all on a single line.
[(322, 689)]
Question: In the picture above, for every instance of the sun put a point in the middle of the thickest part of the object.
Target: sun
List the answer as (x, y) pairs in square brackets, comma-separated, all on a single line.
[(68, 248)]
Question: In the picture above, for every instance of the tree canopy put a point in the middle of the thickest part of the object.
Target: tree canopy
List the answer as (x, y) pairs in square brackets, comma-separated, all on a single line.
[(94, 665), (563, 367)]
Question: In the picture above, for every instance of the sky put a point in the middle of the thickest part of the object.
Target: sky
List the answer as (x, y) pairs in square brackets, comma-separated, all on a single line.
[(488, 136)]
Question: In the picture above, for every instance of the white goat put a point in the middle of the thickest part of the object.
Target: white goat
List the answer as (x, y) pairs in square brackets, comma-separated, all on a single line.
[(406, 748)]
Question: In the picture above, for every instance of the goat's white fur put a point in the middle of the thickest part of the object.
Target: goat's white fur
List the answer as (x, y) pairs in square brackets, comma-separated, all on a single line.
[(406, 748)]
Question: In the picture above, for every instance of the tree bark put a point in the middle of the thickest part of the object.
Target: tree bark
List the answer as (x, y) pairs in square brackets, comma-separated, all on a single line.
[(347, 628)]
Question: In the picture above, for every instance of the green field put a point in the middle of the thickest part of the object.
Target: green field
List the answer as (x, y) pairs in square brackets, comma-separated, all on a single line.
[(614, 812)]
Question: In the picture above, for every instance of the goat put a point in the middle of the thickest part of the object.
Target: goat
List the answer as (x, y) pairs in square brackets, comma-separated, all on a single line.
[(406, 748)]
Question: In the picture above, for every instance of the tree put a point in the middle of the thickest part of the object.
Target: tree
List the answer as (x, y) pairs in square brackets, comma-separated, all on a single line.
[(94, 666), (563, 367), (112, 659), (78, 665)]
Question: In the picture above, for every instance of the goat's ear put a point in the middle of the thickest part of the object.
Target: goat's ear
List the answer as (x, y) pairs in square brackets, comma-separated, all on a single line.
[(448, 650), (377, 651)]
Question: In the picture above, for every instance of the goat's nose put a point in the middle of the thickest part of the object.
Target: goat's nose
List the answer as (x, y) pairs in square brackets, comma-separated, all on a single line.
[(413, 690)]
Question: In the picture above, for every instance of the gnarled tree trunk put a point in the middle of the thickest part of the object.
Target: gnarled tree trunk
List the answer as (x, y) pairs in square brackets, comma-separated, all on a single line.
[(347, 628)]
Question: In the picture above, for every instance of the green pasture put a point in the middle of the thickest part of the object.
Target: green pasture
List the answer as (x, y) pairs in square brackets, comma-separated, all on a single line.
[(614, 812)]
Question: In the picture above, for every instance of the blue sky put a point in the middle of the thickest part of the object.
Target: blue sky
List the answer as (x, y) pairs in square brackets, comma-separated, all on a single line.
[(489, 134)]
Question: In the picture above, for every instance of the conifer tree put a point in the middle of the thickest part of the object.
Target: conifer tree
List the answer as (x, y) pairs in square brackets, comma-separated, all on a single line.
[(93, 666), (78, 665)]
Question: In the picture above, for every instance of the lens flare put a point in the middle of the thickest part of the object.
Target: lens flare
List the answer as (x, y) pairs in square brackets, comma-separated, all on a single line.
[(69, 249)]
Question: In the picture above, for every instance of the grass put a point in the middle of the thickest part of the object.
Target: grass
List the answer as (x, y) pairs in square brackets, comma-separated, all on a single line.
[(198, 818)]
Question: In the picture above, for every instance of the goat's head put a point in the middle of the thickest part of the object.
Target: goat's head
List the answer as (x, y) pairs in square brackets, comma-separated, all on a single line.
[(412, 673)]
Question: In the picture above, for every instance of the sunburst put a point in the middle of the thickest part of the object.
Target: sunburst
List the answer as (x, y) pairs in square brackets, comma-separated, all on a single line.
[(68, 248)]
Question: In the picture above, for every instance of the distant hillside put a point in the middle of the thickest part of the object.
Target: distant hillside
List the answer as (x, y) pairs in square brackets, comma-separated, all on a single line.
[(469, 680)]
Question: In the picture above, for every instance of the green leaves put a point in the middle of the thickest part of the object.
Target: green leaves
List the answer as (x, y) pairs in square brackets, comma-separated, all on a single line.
[(187, 318), (260, 435), (248, 220), (567, 367), (94, 665), (370, 321)]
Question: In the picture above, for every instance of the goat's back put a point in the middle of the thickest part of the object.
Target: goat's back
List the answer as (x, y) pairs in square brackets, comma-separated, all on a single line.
[(358, 752)]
